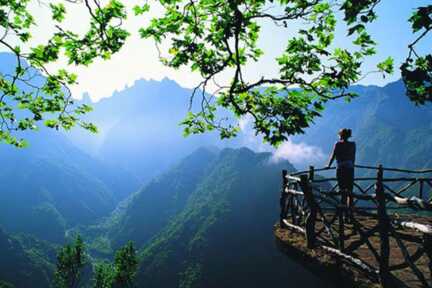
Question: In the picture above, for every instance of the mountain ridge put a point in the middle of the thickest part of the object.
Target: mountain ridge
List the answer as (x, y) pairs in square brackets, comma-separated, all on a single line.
[(231, 187)]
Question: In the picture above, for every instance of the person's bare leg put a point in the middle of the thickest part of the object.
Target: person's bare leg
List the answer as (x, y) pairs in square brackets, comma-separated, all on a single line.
[(350, 207), (344, 196)]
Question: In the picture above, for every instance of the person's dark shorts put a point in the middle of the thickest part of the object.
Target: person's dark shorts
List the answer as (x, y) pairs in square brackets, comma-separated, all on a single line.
[(345, 178)]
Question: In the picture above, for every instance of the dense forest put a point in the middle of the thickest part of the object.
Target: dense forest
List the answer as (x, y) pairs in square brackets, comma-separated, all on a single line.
[(176, 183), (210, 210)]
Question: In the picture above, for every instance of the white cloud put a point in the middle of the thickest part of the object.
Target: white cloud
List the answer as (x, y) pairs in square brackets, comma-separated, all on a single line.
[(298, 153), (301, 153)]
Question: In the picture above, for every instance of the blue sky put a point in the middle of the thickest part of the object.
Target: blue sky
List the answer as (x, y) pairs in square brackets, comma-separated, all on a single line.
[(139, 58), (393, 33)]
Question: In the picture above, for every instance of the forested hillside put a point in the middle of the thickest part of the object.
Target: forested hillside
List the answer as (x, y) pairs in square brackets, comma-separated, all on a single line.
[(140, 128), (208, 223), (159, 202), (388, 128), (145, 117), (142, 143), (28, 265), (202, 220), (51, 186)]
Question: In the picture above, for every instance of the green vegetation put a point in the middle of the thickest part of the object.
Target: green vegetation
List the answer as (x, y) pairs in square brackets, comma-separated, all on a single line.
[(72, 260), (191, 276), (387, 128), (215, 37), (196, 225), (54, 194), (104, 275), (213, 208), (25, 261), (125, 266), (5, 285), (49, 100), (208, 228), (57, 186), (210, 37)]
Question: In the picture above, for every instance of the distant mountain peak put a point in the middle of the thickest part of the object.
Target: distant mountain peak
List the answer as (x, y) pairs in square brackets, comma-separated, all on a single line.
[(243, 150), (166, 79), (246, 152), (86, 99), (207, 149)]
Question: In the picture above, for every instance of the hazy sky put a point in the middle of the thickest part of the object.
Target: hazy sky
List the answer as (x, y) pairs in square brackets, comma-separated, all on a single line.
[(139, 59)]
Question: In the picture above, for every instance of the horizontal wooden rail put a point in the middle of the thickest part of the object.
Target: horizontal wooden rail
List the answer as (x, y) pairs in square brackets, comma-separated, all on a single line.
[(316, 170), (348, 258), (395, 169), (423, 228), (292, 178), (366, 167), (400, 179), (294, 227), (355, 261), (412, 202), (317, 208), (294, 192)]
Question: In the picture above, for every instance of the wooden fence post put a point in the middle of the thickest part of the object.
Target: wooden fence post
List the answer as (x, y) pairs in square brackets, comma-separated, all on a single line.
[(427, 245), (421, 190), (311, 173), (340, 210), (311, 218), (384, 228), (282, 200)]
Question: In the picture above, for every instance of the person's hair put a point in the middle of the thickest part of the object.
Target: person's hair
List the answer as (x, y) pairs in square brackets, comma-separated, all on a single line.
[(345, 133)]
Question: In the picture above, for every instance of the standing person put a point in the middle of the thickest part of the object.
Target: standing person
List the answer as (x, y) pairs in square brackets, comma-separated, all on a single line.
[(344, 153)]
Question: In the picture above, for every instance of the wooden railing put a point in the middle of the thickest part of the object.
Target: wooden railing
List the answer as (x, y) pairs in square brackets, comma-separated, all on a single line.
[(312, 205)]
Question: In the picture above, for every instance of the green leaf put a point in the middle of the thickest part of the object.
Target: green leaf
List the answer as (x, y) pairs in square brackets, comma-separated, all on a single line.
[(386, 66), (138, 10), (58, 12)]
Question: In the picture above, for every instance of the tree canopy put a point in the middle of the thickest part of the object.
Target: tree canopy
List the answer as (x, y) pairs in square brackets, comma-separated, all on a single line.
[(31, 93), (73, 258), (211, 37), (119, 274)]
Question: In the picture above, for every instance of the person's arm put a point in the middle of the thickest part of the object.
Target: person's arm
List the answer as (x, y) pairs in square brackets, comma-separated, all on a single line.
[(332, 157), (354, 157)]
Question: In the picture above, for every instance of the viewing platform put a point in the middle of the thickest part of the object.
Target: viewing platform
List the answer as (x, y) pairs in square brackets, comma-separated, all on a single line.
[(384, 240)]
